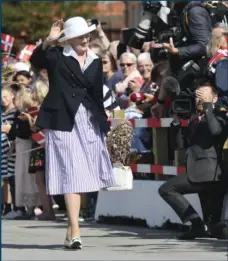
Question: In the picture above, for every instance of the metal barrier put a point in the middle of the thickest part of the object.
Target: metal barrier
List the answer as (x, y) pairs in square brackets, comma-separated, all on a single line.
[(160, 146)]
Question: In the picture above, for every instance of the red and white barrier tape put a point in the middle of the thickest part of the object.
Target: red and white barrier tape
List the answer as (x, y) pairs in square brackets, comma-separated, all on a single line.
[(157, 169), (39, 137), (151, 123)]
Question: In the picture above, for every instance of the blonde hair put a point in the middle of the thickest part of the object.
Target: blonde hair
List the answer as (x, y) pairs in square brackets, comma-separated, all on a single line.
[(23, 99), (40, 92), (7, 87)]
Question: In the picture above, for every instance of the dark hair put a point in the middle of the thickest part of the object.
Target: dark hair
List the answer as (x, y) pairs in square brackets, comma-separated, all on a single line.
[(22, 73), (15, 87), (160, 71), (206, 82)]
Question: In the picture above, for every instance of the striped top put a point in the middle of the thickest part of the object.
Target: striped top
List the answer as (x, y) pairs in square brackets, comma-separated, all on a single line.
[(7, 118), (110, 102)]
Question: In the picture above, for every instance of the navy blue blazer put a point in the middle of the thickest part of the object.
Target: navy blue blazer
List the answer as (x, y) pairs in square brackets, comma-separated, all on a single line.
[(68, 88)]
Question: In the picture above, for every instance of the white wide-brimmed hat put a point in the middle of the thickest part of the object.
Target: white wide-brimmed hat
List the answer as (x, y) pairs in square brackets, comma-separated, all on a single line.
[(75, 27)]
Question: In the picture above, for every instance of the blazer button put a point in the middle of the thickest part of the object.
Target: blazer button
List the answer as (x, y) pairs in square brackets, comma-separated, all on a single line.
[(72, 74), (85, 90), (73, 85), (73, 95)]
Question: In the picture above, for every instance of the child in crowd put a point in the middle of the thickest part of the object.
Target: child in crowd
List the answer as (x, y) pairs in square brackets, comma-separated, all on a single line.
[(26, 190), (7, 159), (37, 159), (23, 79)]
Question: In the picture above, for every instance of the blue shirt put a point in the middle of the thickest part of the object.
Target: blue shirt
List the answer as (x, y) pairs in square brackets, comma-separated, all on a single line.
[(221, 81), (111, 83)]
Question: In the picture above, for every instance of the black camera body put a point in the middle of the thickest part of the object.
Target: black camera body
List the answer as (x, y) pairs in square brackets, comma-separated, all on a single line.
[(152, 6), (181, 88), (183, 106), (153, 28)]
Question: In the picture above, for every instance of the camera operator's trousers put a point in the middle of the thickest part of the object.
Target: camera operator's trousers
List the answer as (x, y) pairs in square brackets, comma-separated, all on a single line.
[(211, 196)]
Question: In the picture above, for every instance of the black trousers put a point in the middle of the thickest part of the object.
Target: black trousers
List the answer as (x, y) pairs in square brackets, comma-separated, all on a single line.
[(211, 196), (11, 181)]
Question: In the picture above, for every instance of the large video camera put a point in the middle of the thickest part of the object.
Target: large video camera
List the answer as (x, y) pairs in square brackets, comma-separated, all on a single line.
[(181, 89), (152, 28)]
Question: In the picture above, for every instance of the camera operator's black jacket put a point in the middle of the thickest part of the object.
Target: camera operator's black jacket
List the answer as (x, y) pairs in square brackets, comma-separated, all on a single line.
[(206, 140), (197, 25)]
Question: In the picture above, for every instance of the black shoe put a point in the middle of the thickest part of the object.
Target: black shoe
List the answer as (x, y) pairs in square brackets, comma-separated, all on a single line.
[(25, 217), (195, 232), (220, 231)]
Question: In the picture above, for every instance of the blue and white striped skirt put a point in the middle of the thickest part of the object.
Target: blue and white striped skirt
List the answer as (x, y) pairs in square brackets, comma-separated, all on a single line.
[(77, 161)]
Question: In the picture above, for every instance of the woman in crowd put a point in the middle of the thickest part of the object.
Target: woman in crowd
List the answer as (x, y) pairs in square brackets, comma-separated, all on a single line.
[(142, 140), (23, 78), (37, 159), (7, 161), (26, 189), (128, 65), (73, 115), (111, 75)]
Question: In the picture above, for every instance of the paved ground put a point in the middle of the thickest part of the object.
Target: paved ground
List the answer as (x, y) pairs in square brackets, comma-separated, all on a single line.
[(33, 240)]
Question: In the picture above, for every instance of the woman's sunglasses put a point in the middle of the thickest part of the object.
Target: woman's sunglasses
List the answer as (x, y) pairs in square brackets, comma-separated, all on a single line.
[(127, 64)]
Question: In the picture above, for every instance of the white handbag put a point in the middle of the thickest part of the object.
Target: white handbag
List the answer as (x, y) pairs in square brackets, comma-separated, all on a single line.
[(123, 178)]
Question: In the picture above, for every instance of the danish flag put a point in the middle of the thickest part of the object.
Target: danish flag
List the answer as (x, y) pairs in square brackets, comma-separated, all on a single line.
[(26, 53), (221, 54), (7, 43), (39, 137), (33, 111)]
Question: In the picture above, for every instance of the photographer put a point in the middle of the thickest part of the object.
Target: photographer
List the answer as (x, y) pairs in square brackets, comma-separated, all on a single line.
[(196, 26), (206, 135)]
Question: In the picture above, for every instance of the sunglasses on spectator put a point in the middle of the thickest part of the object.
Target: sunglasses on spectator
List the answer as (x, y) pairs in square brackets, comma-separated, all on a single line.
[(127, 64)]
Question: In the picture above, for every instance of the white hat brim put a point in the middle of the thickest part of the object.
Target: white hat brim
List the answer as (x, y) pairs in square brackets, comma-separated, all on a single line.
[(67, 37)]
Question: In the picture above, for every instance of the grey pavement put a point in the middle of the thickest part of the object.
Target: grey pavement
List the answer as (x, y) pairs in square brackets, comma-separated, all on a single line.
[(41, 240)]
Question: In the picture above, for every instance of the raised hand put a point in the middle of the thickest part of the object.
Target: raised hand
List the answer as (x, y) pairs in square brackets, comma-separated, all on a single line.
[(56, 31), (6, 127), (39, 42)]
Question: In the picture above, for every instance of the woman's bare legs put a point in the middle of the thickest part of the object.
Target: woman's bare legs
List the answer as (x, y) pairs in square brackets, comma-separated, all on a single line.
[(48, 212), (73, 202)]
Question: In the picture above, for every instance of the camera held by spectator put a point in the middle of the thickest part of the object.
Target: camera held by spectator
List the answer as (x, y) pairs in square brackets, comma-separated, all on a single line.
[(152, 28)]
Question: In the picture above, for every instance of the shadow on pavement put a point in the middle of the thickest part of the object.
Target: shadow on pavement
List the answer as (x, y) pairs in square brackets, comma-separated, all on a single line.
[(168, 238), (24, 246)]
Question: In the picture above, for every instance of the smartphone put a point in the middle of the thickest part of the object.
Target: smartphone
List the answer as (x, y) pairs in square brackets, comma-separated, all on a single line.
[(138, 80), (94, 21)]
